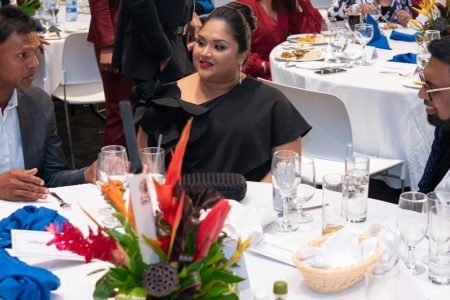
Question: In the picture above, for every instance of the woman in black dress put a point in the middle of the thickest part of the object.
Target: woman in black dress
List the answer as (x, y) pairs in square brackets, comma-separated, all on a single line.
[(238, 121)]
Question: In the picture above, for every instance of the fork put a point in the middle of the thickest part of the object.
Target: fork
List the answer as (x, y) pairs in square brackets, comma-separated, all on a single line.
[(62, 203)]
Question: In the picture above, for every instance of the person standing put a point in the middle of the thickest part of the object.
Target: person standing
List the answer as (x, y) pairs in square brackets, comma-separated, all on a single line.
[(117, 87), (150, 42)]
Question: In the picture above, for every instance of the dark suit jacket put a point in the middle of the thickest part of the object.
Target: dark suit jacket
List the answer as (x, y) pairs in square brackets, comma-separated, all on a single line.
[(144, 31), (104, 18), (40, 142)]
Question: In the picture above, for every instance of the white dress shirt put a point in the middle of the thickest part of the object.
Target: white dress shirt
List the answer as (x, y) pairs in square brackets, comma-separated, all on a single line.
[(11, 151)]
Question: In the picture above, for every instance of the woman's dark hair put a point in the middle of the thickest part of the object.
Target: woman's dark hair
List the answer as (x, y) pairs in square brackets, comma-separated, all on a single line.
[(13, 19), (440, 49), (289, 5), (241, 20)]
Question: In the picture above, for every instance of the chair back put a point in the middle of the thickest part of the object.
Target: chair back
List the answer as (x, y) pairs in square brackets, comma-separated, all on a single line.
[(79, 63), (331, 130)]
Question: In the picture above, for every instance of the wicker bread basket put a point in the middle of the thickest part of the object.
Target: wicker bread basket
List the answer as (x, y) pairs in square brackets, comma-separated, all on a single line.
[(334, 280)]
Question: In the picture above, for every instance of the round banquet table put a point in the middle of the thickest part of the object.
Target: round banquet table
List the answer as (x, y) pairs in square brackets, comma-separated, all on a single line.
[(261, 270), (388, 120), (49, 74)]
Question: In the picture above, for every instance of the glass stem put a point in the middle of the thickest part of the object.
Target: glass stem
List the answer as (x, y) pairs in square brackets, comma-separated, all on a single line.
[(364, 54), (411, 259), (285, 208)]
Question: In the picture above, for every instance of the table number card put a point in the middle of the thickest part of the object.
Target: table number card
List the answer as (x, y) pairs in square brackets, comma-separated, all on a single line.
[(30, 243)]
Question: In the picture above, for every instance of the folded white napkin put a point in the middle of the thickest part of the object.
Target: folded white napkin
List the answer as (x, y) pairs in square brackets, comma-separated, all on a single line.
[(398, 68), (247, 221), (341, 249)]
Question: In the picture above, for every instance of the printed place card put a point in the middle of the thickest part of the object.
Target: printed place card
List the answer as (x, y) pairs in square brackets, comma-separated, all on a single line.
[(30, 243)]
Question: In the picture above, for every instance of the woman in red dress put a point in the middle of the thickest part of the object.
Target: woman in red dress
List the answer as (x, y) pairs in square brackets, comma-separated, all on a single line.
[(276, 19)]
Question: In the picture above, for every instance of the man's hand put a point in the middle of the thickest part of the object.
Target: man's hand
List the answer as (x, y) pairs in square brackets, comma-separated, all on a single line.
[(22, 185), (196, 25), (105, 58), (402, 17), (90, 174)]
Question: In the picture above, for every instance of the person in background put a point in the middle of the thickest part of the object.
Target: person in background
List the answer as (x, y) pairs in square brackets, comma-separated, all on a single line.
[(238, 121), (150, 43), (396, 11), (31, 157), (276, 19), (435, 93), (117, 87)]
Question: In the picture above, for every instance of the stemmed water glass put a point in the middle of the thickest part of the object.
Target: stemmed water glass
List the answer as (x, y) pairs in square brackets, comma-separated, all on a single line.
[(412, 223), (338, 43), (44, 16), (112, 164), (54, 9), (364, 33), (430, 35), (305, 190), (286, 177), (154, 169), (423, 56)]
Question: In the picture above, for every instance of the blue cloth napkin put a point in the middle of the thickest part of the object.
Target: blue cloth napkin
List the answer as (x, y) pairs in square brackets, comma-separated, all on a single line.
[(409, 58), (400, 36), (378, 40), (28, 218), (23, 282)]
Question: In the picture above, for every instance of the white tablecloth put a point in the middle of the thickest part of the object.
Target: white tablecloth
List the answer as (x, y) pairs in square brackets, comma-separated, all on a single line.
[(388, 119), (262, 272), (49, 75)]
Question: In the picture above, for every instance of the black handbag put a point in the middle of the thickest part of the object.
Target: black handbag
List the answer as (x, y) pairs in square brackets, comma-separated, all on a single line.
[(230, 185)]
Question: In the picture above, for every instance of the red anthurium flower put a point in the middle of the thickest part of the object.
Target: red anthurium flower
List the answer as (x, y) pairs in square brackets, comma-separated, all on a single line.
[(174, 170), (210, 227), (95, 246)]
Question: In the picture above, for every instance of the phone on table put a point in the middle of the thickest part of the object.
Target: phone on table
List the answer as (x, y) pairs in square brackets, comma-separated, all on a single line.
[(330, 71)]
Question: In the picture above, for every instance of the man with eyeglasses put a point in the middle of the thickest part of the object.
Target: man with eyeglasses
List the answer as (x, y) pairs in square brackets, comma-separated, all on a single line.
[(436, 95)]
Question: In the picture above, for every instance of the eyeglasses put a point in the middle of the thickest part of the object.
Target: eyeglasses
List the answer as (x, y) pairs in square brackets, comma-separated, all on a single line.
[(427, 88)]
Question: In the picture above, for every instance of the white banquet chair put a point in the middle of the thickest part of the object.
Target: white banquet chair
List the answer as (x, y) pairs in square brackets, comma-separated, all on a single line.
[(331, 133), (82, 84)]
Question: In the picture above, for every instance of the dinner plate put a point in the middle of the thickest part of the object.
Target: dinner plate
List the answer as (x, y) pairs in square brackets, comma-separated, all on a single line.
[(296, 46), (309, 56), (313, 39), (412, 83), (390, 26), (318, 65), (53, 36)]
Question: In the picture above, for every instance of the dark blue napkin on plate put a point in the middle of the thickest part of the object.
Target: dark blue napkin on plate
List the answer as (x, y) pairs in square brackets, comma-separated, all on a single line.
[(409, 58), (23, 282), (28, 218), (401, 36), (378, 40)]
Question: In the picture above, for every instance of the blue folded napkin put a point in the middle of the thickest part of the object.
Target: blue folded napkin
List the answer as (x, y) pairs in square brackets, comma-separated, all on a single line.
[(409, 57), (401, 36), (378, 40), (28, 218), (23, 282)]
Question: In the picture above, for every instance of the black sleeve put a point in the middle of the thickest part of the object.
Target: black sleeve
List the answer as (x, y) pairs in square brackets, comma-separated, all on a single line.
[(287, 123)]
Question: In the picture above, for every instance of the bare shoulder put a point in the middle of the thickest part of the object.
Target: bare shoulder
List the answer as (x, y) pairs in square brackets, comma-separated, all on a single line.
[(187, 86)]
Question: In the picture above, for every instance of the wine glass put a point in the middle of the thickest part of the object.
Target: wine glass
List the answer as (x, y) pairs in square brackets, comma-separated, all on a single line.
[(53, 9), (306, 189), (364, 33), (44, 16), (423, 56), (351, 18), (434, 199), (154, 168), (338, 43), (112, 164), (430, 35), (412, 223), (286, 177)]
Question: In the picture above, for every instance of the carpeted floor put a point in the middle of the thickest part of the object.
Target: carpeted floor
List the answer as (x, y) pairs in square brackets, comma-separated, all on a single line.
[(87, 131)]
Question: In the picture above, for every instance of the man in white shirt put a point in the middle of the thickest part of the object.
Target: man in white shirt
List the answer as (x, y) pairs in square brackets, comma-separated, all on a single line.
[(31, 158), (436, 95)]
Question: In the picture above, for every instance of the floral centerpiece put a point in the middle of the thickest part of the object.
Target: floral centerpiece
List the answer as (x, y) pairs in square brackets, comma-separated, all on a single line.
[(29, 6), (436, 16), (189, 244)]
